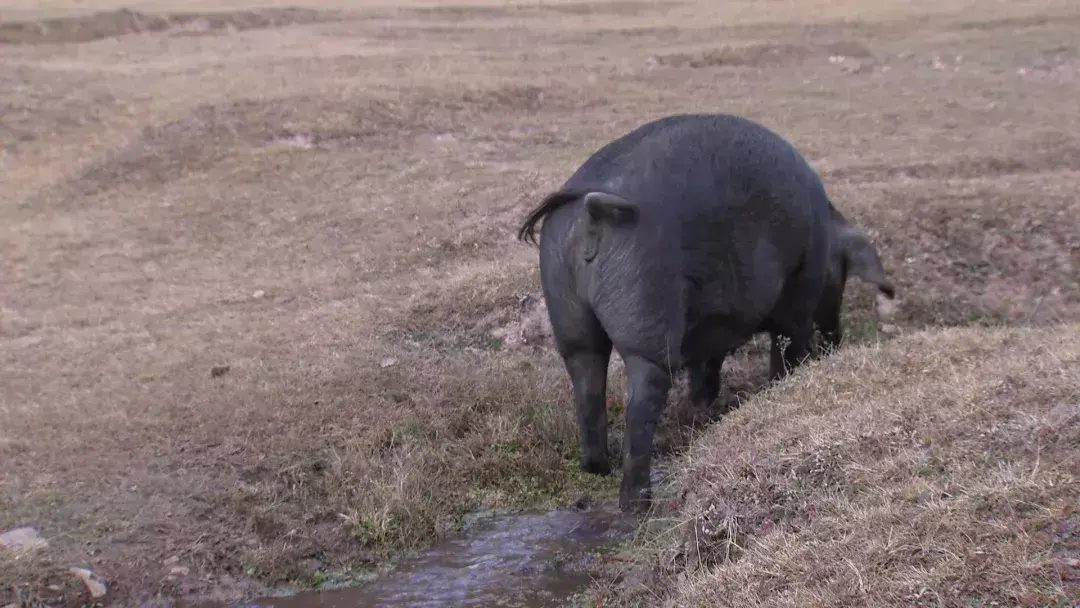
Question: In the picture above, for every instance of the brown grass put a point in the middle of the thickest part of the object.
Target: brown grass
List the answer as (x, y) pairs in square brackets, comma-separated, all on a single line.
[(939, 469), (258, 276)]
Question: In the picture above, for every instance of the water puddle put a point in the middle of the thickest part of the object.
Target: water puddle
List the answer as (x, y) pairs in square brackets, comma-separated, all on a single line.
[(526, 560)]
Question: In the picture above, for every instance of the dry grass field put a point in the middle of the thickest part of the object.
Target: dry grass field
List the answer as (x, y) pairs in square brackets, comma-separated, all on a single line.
[(260, 297)]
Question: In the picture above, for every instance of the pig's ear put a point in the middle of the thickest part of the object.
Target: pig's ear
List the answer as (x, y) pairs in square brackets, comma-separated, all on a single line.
[(863, 261)]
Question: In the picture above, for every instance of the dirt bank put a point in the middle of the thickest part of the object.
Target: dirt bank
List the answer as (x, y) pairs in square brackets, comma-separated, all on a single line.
[(939, 469)]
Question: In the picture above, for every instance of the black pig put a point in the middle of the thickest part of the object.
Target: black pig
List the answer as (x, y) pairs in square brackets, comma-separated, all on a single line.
[(852, 254), (674, 244)]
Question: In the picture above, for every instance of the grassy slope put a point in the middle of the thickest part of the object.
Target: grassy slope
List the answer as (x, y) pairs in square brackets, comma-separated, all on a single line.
[(940, 469)]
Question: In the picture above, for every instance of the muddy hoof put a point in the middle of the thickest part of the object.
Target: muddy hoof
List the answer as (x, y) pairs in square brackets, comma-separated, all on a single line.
[(598, 467), (635, 501)]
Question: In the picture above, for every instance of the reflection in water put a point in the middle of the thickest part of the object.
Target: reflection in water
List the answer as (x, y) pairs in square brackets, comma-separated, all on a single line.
[(524, 560)]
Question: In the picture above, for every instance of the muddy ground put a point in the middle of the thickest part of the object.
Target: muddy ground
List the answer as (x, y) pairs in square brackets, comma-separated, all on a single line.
[(262, 309)]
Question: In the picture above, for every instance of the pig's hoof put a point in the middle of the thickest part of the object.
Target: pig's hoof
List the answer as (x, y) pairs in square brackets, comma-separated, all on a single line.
[(596, 467), (635, 500)]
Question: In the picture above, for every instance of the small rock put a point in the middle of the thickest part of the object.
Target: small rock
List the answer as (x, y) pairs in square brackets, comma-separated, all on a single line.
[(54, 588), (96, 587), (258, 294), (179, 571), (22, 538), (172, 561), (218, 371), (387, 362)]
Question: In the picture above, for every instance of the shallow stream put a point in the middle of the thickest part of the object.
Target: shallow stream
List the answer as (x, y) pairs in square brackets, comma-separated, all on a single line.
[(534, 560)]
